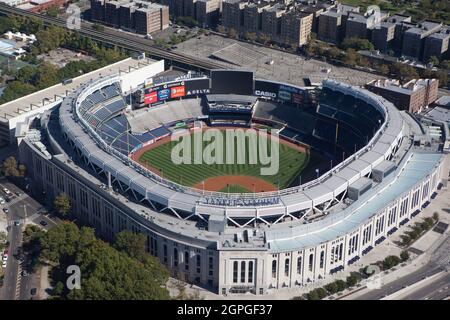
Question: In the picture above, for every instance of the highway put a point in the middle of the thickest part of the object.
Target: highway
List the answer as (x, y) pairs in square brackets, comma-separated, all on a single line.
[(120, 39)]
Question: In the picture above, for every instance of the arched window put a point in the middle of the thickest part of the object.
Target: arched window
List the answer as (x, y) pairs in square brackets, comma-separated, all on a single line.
[(311, 260), (199, 262), (235, 272), (286, 267), (186, 260), (242, 271), (341, 248), (322, 259), (250, 272), (274, 268), (299, 265), (175, 257)]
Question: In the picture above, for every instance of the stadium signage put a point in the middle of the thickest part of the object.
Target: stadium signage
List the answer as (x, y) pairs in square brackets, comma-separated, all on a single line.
[(197, 91), (265, 94), (151, 97), (290, 89), (284, 95), (176, 92), (241, 201), (163, 94)]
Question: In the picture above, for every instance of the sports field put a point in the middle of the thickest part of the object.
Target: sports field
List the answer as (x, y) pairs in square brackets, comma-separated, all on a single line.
[(232, 178)]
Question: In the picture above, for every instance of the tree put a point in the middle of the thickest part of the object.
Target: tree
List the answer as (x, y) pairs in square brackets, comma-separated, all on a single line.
[(390, 262), (317, 294), (332, 287), (357, 44), (106, 273), (131, 243), (403, 72), (16, 89), (52, 11), (220, 29), (351, 57), (434, 61), (232, 33), (436, 216), (334, 53), (404, 255), (384, 69), (341, 285), (406, 239), (250, 36), (62, 204), (263, 38), (351, 281), (10, 167)]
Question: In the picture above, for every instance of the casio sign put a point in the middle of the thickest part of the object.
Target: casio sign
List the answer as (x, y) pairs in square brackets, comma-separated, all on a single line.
[(265, 94)]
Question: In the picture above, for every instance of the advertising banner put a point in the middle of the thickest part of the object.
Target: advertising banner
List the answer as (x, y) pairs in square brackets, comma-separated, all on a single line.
[(266, 89), (297, 98), (151, 97), (163, 94), (284, 95), (198, 86), (176, 92)]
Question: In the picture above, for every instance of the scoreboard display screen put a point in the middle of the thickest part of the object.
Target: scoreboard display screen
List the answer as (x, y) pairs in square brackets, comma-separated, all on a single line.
[(232, 82)]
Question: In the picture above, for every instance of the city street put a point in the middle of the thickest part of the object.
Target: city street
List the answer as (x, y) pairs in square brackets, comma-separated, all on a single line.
[(22, 210)]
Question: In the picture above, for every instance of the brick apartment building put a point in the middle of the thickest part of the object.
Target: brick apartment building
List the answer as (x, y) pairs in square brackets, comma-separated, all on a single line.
[(139, 16), (413, 96)]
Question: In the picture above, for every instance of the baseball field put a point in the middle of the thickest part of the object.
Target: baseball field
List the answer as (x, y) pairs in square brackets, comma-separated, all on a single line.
[(230, 178)]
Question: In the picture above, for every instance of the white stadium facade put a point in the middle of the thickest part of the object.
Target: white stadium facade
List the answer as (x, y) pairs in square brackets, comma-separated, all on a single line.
[(235, 243)]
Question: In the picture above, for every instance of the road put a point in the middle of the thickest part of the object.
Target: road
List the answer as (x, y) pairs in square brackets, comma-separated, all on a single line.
[(124, 40), (435, 290), (25, 209), (439, 261)]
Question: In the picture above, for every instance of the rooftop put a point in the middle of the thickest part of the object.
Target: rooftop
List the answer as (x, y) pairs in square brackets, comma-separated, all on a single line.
[(41, 98)]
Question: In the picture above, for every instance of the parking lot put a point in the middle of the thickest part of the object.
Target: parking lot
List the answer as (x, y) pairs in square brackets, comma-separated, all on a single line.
[(286, 67)]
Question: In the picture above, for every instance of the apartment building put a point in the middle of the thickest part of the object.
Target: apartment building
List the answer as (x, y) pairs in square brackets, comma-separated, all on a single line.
[(332, 23), (296, 28), (414, 38), (138, 16), (436, 45), (208, 12), (413, 96)]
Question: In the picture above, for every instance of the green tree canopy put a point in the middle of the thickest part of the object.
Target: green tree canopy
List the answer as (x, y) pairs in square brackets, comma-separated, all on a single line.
[(62, 204), (106, 273)]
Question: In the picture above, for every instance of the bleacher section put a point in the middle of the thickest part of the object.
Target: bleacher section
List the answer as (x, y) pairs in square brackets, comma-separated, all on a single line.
[(146, 119)]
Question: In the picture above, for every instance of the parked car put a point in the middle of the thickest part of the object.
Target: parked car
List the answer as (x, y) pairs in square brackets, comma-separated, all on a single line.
[(5, 257), (33, 291), (43, 223), (2, 200), (4, 264), (5, 210)]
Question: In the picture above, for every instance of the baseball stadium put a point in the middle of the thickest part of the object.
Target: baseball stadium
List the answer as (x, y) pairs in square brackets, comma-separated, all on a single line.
[(350, 171)]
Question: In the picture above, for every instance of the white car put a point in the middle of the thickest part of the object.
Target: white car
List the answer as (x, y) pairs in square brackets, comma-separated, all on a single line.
[(5, 257), (2, 200), (4, 264)]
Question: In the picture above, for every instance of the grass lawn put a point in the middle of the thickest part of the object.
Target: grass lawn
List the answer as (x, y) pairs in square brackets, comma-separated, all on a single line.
[(291, 163)]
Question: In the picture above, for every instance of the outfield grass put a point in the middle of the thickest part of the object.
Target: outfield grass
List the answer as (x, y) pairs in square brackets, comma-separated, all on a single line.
[(291, 163)]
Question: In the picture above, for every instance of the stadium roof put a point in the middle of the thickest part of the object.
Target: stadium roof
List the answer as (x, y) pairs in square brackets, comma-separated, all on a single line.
[(40, 98), (415, 168)]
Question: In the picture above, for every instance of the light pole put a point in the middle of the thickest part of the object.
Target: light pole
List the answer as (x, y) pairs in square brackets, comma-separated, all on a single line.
[(317, 172)]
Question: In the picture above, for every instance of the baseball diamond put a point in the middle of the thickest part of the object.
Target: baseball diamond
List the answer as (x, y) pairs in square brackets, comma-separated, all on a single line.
[(293, 159)]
